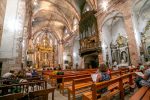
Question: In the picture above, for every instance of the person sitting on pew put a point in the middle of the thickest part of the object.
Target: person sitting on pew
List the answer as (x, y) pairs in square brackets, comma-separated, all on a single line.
[(141, 67), (28, 73), (102, 76), (114, 68), (8, 74), (22, 79), (131, 66), (34, 73), (143, 80)]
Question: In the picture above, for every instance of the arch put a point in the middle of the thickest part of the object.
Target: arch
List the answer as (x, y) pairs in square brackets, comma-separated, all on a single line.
[(106, 16), (109, 32)]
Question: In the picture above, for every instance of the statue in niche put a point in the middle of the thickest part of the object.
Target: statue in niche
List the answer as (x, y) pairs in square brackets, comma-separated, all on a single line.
[(121, 41), (124, 56)]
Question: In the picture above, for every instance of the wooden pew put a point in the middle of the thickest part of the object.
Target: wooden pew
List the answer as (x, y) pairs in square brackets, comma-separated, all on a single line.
[(36, 95), (79, 86), (53, 78), (142, 94), (67, 81), (14, 96), (115, 74), (23, 87), (41, 94), (124, 70), (147, 95), (115, 86)]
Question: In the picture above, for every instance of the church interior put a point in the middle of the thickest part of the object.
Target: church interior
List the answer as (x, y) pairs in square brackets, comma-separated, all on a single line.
[(75, 49)]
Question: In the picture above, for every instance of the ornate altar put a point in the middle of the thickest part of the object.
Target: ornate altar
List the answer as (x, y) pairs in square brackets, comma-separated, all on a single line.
[(120, 50), (44, 53)]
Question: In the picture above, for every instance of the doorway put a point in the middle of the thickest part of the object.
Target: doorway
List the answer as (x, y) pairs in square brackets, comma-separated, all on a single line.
[(91, 61)]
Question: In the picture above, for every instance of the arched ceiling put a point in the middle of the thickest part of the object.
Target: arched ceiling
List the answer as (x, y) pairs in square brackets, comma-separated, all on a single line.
[(142, 8), (58, 16)]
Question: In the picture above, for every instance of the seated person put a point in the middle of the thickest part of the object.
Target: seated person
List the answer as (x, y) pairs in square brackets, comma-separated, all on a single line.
[(102, 76), (8, 74), (34, 73), (22, 79), (141, 67), (28, 73), (143, 80), (132, 66), (21, 73), (115, 68)]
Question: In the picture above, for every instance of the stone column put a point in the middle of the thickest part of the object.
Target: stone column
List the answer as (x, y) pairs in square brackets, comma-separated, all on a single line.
[(133, 51), (60, 53), (99, 25), (100, 58)]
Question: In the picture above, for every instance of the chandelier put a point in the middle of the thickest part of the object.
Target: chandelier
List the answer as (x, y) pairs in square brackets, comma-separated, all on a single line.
[(44, 46)]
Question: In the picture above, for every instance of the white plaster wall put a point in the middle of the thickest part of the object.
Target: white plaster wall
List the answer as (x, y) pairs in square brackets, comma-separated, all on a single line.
[(118, 28), (106, 39), (12, 30), (109, 34), (76, 56)]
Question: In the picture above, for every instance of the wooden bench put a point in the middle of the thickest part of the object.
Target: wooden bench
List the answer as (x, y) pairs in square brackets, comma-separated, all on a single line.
[(142, 94), (14, 96), (115, 86), (41, 94), (23, 87), (115, 74), (67, 81), (79, 86), (36, 95)]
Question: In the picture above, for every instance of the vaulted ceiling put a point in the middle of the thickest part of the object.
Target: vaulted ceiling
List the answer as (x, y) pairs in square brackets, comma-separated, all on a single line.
[(59, 17)]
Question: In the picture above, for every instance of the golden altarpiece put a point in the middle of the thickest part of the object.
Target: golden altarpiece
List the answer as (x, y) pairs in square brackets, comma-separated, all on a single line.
[(43, 54)]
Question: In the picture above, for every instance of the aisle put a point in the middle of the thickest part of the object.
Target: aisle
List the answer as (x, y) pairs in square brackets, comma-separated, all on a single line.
[(57, 95)]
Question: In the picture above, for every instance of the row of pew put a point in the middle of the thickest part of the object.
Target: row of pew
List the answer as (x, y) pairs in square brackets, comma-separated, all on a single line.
[(31, 90), (80, 82)]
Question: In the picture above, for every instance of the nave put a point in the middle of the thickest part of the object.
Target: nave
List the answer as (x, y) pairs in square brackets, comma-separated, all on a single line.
[(75, 49)]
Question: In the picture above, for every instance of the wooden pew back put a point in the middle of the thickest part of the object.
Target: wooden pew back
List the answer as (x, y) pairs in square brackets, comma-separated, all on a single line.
[(41, 94), (14, 96), (116, 83), (23, 87)]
